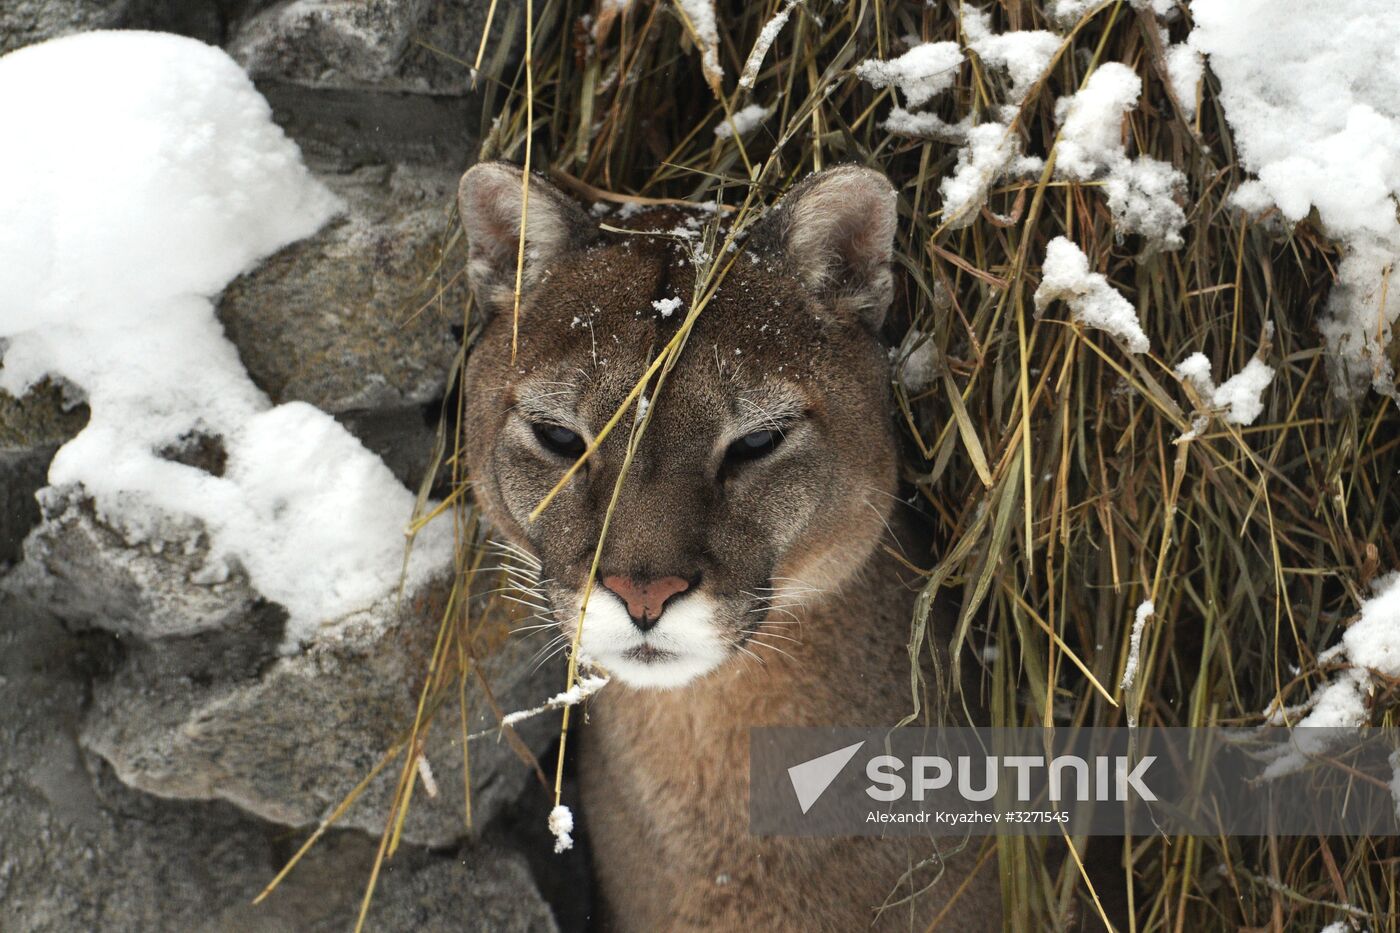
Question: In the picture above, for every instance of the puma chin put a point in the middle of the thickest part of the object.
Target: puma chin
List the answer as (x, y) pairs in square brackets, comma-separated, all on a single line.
[(762, 480)]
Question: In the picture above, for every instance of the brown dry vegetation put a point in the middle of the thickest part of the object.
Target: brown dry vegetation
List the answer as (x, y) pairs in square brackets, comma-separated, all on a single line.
[(1046, 458)]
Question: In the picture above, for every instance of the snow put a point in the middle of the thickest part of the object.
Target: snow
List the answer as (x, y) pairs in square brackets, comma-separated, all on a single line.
[(1092, 301), (1395, 780), (1373, 641), (1091, 121), (425, 774), (902, 122), (1196, 369), (1144, 612), (766, 36), (1318, 124), (993, 151), (582, 690), (561, 825), (1372, 646), (745, 121), (166, 178), (921, 73), (667, 306), (701, 14), (1241, 396), (990, 151), (1142, 198), (1185, 69), (1140, 191), (1069, 12), (1025, 54)]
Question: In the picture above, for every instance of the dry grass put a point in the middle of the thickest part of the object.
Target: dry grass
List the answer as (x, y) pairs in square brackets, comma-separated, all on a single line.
[(1045, 457)]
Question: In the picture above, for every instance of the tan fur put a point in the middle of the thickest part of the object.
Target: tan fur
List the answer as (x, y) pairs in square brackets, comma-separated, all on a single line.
[(790, 336)]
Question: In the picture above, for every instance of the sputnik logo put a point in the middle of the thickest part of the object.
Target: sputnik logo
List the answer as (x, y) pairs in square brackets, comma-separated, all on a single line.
[(811, 778)]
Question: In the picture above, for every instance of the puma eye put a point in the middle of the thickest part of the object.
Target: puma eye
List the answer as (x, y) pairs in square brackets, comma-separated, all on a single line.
[(753, 446), (559, 440)]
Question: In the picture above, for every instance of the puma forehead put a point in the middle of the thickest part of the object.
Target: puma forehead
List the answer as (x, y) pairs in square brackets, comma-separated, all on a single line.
[(767, 468)]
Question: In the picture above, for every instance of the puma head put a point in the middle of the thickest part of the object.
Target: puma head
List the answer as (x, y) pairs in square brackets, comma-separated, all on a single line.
[(767, 470)]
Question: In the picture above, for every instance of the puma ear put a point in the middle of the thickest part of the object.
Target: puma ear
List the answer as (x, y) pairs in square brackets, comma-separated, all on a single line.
[(835, 233), (489, 199)]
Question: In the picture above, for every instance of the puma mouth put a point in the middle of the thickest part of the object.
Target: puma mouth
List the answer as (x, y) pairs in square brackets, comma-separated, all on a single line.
[(649, 654), (686, 643)]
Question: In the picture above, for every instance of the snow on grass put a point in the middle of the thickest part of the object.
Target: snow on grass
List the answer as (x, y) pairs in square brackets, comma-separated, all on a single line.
[(1091, 121), (920, 74), (1024, 54), (1065, 276), (580, 691), (1141, 192), (903, 122), (1241, 396), (1373, 641), (745, 121), (1185, 69), (1372, 646), (561, 826), (993, 152), (1142, 199), (1395, 780), (990, 151), (1069, 12), (1316, 118), (1144, 612), (766, 36), (701, 15), (165, 178)]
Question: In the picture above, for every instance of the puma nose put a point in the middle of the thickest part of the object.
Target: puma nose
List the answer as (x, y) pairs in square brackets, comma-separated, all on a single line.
[(645, 598)]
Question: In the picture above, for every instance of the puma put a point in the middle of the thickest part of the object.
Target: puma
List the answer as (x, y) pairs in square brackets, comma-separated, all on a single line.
[(746, 577)]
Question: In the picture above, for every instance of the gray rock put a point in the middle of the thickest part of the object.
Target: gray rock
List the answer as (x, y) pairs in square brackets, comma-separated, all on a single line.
[(22, 473), (359, 316), (25, 22), (404, 438), (417, 46), (205, 702), (88, 574), (223, 716), (344, 130), (79, 851), (31, 431)]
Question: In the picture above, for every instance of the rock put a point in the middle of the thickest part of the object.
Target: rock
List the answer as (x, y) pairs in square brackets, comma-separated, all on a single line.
[(481, 889), (25, 22), (359, 316), (42, 419), (31, 431), (22, 474), (364, 81), (221, 714), (207, 701), (417, 46), (79, 851), (86, 573), (344, 130), (404, 438)]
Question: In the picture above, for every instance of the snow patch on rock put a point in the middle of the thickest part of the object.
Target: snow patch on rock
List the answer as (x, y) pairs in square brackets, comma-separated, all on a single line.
[(166, 179)]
